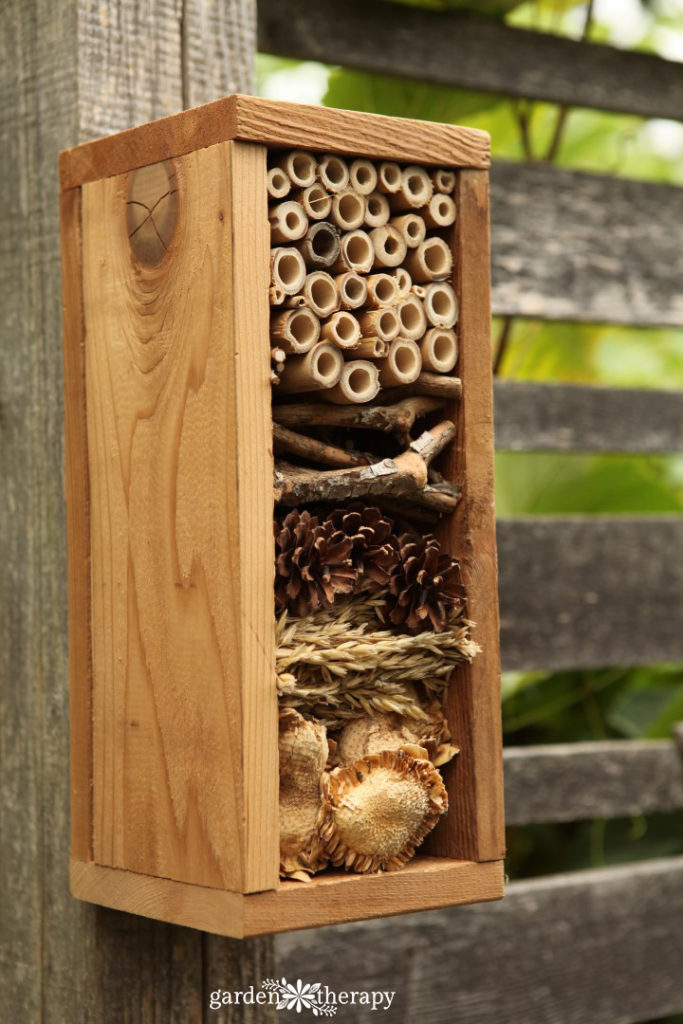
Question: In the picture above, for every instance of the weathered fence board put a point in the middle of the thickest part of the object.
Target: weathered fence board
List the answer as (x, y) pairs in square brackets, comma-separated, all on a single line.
[(574, 246), (473, 52), (570, 418), (584, 592), (69, 71), (568, 949), (583, 781)]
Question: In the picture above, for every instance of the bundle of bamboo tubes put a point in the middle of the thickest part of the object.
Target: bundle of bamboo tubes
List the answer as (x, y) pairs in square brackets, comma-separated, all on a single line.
[(360, 291)]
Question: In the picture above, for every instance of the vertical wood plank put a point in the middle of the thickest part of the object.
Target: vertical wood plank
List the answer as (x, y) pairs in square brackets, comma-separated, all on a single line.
[(475, 779), (254, 452)]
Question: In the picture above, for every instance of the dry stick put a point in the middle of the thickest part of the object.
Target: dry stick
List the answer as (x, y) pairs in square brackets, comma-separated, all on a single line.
[(377, 210), (299, 167), (278, 183), (320, 247), (286, 440), (433, 385), (397, 419), (315, 201), (406, 474), (333, 173)]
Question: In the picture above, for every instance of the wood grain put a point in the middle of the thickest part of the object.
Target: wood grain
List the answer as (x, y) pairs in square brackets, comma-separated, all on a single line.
[(600, 946), (471, 51), (594, 273), (583, 781), (474, 829), (248, 119), (425, 883), (533, 417), (583, 592)]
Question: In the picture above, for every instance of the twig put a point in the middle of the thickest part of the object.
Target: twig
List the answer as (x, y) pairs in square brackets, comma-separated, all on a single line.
[(316, 451)]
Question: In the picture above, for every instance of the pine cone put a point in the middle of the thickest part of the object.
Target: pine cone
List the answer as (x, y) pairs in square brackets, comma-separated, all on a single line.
[(312, 564), (374, 551), (425, 587)]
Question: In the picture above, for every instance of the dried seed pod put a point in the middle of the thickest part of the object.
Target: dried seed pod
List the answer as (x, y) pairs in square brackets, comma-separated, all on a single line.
[(312, 564), (377, 811), (379, 731), (363, 176), (425, 587), (303, 749), (377, 210), (333, 173)]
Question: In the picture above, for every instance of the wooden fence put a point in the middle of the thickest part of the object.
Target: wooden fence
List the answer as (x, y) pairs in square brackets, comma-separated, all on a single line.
[(599, 946)]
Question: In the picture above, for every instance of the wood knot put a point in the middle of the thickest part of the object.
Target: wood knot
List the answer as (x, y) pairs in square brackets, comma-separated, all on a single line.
[(151, 211)]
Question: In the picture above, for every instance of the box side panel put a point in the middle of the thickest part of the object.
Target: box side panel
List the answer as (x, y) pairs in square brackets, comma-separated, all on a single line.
[(78, 528), (254, 452), (165, 556), (474, 781)]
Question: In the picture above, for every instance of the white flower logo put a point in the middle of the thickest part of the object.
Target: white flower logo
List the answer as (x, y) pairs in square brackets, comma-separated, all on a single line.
[(299, 997)]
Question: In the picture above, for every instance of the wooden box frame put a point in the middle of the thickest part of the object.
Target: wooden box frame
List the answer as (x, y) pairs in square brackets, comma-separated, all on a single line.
[(169, 489)]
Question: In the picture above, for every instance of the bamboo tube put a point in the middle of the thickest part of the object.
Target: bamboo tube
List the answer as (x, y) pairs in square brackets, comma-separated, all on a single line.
[(415, 191), (299, 167), (439, 349), (412, 227), (363, 177), (420, 290), (357, 383), (278, 355), (342, 329), (294, 301), (443, 180), (315, 201), (352, 288), (276, 295), (389, 177), (440, 304), (274, 379), (356, 252), (288, 222), (412, 318), (377, 211), (319, 368), (320, 247), (404, 281), (372, 348), (278, 183), (431, 261), (389, 246), (382, 290), (402, 365), (297, 330), (379, 323), (333, 173), (439, 212), (320, 292), (348, 210), (287, 269)]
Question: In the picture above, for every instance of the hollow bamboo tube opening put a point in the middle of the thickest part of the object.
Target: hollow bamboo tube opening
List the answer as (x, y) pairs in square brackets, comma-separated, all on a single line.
[(389, 246), (288, 270), (377, 211), (388, 177), (294, 301), (278, 183), (439, 212), (299, 167), (319, 368), (342, 329), (320, 247), (380, 323), (402, 365), (412, 227), (415, 191), (315, 201), (296, 330), (412, 318), (356, 253), (363, 177), (348, 210), (443, 180), (404, 281), (431, 261), (439, 349), (288, 222), (440, 304), (276, 295), (382, 290), (357, 383), (321, 294), (372, 348), (353, 290), (333, 173)]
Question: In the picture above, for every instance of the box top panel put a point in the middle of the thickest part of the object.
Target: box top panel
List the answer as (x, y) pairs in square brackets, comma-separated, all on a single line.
[(249, 119)]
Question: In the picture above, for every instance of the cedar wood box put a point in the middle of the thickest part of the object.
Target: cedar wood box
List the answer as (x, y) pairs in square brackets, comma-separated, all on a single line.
[(174, 758)]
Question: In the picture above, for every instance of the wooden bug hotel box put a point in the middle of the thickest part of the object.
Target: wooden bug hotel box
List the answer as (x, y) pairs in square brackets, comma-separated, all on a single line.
[(215, 379)]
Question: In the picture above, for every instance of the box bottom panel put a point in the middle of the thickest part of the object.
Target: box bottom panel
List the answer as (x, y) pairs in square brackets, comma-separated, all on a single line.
[(424, 884)]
